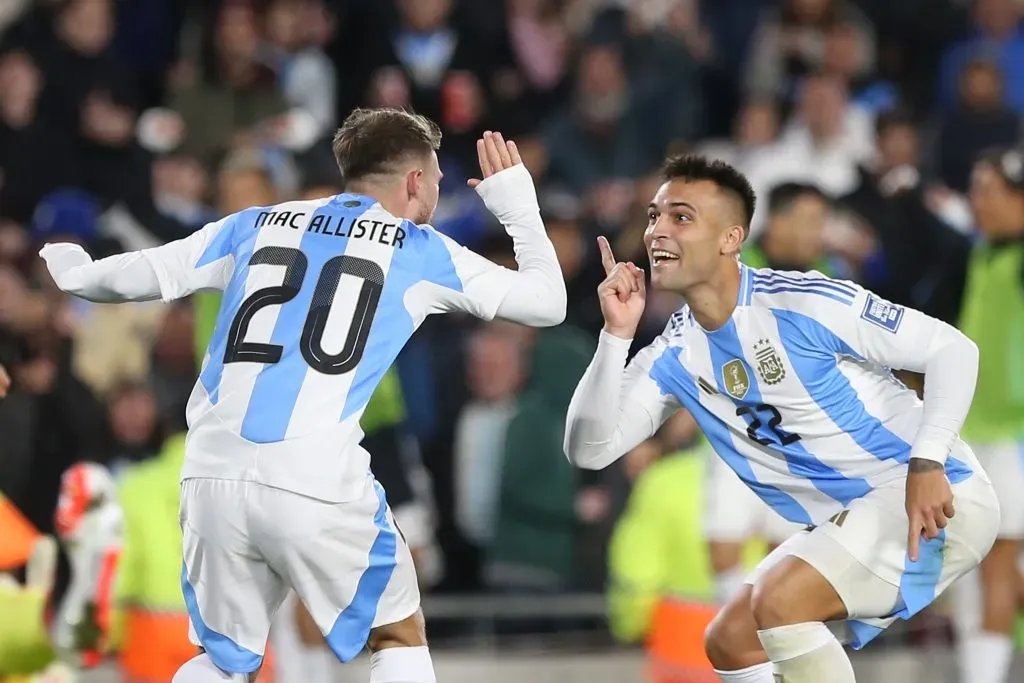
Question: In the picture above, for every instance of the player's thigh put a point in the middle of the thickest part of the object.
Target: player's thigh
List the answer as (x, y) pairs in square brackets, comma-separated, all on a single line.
[(862, 551), (230, 592), (1004, 464), (348, 562), (730, 510)]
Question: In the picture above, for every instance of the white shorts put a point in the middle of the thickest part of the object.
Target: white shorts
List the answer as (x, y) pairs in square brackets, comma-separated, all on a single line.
[(862, 552), (245, 545), (733, 513), (1004, 463)]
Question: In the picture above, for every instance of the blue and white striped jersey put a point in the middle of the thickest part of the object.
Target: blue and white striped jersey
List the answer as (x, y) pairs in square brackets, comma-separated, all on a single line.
[(319, 298), (794, 392)]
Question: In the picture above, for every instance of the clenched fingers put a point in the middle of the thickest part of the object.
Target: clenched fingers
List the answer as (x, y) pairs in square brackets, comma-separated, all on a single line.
[(622, 281)]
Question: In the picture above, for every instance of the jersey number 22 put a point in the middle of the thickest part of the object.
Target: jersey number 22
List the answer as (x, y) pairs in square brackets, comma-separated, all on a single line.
[(757, 415), (311, 343)]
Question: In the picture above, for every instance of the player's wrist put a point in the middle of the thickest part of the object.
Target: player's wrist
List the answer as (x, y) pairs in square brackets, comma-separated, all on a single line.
[(619, 333), (924, 466), (509, 191)]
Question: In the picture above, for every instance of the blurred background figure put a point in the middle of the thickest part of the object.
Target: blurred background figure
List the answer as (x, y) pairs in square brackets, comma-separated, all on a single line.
[(993, 315), (127, 124)]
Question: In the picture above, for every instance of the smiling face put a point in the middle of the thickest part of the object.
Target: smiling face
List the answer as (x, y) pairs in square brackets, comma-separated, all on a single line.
[(694, 229)]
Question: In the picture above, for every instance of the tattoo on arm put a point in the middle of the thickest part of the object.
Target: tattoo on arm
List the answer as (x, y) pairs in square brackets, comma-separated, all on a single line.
[(918, 465)]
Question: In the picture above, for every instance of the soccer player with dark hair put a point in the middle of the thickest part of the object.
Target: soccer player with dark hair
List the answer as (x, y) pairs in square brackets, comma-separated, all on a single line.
[(790, 375)]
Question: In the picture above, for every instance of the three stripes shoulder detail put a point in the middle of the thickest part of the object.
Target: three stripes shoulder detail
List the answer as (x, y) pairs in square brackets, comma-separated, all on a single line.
[(798, 283)]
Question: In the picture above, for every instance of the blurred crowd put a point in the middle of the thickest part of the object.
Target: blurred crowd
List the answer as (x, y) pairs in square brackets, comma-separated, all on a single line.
[(129, 123)]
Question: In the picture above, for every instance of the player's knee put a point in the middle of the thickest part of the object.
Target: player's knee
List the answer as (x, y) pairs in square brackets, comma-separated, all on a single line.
[(730, 640), (768, 605), (794, 592), (409, 632)]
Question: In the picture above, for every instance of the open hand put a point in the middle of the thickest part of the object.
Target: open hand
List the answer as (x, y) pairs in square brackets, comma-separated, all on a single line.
[(929, 503), (623, 294), (495, 155)]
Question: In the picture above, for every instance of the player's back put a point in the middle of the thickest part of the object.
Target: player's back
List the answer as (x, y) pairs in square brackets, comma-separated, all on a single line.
[(321, 297)]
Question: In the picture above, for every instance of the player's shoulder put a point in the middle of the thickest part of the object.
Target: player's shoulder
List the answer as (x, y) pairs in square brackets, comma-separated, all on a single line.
[(809, 292)]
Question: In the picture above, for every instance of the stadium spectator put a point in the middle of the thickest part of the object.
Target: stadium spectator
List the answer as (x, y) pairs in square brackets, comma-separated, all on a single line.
[(541, 503), (494, 374), (912, 252), (995, 35), (755, 127), (790, 44), (823, 143), (295, 31), (228, 96), (980, 119)]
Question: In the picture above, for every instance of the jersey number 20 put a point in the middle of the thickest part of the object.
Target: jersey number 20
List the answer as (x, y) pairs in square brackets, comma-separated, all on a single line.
[(311, 343)]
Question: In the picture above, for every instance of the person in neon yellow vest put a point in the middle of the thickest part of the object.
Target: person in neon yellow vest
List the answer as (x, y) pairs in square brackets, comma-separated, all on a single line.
[(658, 549), (993, 316)]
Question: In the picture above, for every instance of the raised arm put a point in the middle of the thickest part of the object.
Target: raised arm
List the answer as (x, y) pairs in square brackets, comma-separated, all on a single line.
[(535, 293), (172, 271), (614, 409)]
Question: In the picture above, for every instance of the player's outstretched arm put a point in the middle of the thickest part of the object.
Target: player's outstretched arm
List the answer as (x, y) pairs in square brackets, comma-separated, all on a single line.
[(614, 409), (535, 294), (172, 271)]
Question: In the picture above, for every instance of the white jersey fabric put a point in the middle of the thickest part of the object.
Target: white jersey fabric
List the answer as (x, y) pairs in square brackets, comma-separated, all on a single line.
[(319, 298), (795, 393)]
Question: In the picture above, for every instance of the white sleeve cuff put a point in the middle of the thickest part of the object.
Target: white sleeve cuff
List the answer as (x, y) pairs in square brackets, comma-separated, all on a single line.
[(611, 341), (509, 192), (924, 449)]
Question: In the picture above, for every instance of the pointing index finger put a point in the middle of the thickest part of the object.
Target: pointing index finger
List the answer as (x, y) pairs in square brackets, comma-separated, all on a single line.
[(914, 538), (607, 258)]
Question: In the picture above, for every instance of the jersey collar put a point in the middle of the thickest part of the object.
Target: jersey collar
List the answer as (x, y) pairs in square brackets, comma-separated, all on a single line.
[(746, 290)]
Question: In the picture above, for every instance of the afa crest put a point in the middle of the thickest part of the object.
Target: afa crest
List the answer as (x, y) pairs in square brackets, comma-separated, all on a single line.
[(769, 365), (735, 379)]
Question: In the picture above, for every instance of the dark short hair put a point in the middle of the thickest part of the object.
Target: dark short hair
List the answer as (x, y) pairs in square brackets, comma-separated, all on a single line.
[(692, 168), (784, 195), (892, 118), (1008, 162), (373, 141)]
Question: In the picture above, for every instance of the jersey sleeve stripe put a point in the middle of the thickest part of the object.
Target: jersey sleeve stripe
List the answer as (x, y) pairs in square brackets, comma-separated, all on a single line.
[(806, 278), (832, 392), (768, 289)]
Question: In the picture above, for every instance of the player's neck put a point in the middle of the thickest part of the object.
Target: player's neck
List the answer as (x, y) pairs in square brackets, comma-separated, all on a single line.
[(383, 195), (713, 302)]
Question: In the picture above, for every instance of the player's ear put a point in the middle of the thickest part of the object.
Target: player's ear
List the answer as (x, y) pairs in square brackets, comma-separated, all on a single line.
[(732, 240), (413, 181)]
